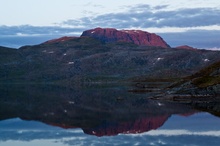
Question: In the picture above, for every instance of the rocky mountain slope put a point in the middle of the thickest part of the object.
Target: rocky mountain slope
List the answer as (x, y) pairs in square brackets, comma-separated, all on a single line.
[(206, 82), (101, 55), (200, 90)]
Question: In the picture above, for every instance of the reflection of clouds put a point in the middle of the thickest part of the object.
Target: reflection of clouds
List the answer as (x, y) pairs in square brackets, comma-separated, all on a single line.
[(178, 133), (77, 137), (25, 133), (32, 143)]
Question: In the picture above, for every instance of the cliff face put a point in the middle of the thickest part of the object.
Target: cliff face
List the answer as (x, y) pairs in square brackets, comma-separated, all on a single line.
[(137, 37)]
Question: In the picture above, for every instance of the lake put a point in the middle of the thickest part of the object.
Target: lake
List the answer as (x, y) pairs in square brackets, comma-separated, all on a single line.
[(33, 115)]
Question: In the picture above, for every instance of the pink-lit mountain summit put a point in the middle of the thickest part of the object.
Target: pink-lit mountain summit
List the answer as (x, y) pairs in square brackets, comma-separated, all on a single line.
[(137, 37)]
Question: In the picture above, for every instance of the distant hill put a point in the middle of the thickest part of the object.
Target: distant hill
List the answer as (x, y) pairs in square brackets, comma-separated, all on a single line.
[(102, 56), (186, 47)]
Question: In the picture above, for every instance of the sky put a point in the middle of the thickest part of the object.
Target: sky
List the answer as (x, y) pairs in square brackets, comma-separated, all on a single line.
[(179, 22)]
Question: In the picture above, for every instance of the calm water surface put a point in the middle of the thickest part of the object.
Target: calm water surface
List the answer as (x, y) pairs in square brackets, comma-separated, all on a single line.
[(54, 116)]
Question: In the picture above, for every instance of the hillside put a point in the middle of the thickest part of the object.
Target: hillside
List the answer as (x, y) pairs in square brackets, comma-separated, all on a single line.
[(204, 82), (88, 59), (200, 90)]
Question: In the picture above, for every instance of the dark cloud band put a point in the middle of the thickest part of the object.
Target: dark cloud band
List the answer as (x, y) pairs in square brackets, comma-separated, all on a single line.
[(146, 17)]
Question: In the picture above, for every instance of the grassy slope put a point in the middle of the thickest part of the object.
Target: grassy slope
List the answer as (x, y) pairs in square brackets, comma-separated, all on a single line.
[(208, 76)]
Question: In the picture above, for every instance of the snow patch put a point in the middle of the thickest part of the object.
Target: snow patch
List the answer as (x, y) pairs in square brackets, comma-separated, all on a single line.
[(158, 59), (70, 62), (64, 54), (127, 31), (159, 104), (213, 49), (93, 32), (71, 102), (206, 60), (136, 31)]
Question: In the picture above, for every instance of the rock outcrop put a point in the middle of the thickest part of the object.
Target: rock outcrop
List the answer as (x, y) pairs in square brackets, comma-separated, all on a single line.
[(62, 39), (137, 37), (186, 47)]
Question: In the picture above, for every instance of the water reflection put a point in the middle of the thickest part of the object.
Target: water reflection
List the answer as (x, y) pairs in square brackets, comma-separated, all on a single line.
[(34, 115), (97, 111)]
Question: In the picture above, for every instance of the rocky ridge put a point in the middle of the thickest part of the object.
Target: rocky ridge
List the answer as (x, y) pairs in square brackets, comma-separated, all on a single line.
[(138, 37), (186, 47)]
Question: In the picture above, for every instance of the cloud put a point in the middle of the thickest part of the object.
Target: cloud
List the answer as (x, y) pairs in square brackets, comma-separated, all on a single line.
[(203, 39), (27, 30), (160, 7), (145, 16), (178, 132), (17, 36)]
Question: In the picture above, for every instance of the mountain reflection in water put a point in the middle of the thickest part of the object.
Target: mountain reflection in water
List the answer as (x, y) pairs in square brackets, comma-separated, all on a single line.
[(97, 111)]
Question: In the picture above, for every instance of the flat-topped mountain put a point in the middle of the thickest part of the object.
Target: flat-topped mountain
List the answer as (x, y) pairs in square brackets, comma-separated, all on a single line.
[(138, 37)]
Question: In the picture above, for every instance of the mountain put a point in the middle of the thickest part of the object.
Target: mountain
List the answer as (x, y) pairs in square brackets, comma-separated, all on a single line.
[(100, 58), (138, 37)]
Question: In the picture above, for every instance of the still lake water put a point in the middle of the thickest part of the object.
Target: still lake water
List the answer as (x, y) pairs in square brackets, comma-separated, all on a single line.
[(54, 116)]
